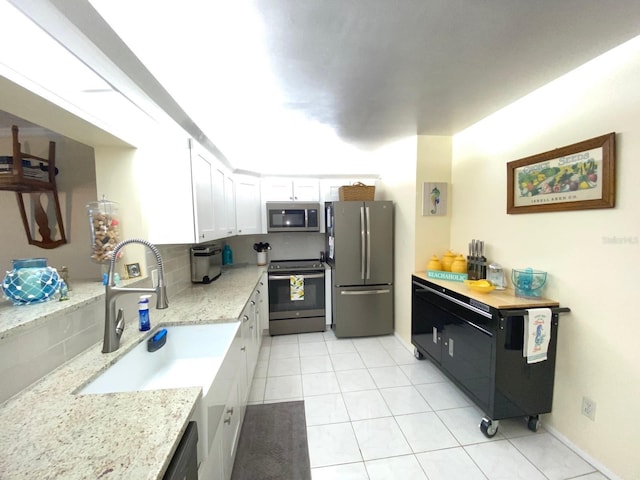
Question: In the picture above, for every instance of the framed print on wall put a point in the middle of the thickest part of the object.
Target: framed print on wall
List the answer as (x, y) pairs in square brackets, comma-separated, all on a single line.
[(434, 198), (576, 177)]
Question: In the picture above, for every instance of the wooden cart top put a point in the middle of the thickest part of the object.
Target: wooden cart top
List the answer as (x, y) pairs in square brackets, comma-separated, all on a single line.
[(500, 299)]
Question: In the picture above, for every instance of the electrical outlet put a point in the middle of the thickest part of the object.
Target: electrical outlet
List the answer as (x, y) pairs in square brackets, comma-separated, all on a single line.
[(589, 408), (154, 277)]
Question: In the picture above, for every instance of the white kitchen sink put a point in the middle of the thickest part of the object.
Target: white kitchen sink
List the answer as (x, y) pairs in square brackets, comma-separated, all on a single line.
[(190, 357)]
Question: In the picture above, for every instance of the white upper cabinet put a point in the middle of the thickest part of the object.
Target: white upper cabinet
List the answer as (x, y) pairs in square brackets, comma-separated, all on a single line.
[(277, 189), (203, 196), (214, 198), (223, 203), (248, 211), (166, 188), (230, 204)]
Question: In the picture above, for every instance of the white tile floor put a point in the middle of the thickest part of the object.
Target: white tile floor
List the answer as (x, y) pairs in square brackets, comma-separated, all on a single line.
[(374, 412)]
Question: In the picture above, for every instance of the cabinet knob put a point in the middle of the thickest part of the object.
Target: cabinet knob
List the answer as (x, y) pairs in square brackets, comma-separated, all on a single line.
[(245, 318), (252, 302), (243, 349)]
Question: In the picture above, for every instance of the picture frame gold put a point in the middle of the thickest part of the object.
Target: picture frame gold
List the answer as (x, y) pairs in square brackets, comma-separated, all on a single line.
[(133, 270), (575, 177)]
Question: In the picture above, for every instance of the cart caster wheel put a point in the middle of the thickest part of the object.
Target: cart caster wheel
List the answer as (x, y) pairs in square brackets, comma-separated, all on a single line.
[(417, 354), (488, 428), (533, 422)]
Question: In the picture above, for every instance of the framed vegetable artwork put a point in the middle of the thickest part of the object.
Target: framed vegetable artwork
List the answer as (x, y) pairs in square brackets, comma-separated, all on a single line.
[(576, 177)]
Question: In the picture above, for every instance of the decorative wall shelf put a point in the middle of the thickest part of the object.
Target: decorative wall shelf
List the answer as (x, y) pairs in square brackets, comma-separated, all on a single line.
[(19, 175)]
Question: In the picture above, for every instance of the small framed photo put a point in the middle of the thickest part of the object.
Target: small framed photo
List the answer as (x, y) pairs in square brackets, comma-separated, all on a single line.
[(133, 270)]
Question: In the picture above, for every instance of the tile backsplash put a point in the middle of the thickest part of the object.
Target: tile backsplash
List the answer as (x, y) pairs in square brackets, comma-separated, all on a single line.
[(37, 349), (284, 246)]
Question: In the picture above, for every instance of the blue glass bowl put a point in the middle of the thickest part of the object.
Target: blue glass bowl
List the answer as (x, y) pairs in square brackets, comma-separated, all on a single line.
[(30, 281), (528, 282)]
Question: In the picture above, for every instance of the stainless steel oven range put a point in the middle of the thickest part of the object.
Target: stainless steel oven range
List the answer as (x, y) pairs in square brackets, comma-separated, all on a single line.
[(296, 296)]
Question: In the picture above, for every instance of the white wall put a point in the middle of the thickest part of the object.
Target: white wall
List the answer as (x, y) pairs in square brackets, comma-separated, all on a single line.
[(398, 184), (592, 256), (432, 232), (76, 183)]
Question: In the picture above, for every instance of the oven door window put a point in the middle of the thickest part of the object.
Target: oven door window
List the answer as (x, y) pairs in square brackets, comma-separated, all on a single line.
[(285, 303), (290, 218)]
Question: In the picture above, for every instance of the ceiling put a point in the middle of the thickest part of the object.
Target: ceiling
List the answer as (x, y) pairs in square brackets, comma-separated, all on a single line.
[(271, 84)]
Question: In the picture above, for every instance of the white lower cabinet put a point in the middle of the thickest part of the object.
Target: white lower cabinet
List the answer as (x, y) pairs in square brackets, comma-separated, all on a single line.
[(262, 319), (251, 335), (231, 426), (232, 387)]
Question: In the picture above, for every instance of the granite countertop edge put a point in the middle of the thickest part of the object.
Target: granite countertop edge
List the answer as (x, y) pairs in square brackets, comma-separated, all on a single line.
[(49, 431)]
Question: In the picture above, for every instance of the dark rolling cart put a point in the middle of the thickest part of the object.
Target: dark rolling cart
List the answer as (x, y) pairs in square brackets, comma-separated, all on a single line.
[(477, 341)]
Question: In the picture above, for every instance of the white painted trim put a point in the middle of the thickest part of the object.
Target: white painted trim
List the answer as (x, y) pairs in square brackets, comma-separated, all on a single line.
[(587, 458), (409, 347)]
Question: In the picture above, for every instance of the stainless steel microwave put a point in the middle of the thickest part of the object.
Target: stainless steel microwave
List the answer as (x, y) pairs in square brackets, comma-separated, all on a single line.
[(293, 217)]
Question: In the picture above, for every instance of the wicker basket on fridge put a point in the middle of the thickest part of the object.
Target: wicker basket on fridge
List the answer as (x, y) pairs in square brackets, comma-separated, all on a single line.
[(358, 191)]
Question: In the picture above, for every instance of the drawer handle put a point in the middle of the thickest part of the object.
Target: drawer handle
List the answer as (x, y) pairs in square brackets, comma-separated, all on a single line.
[(243, 349)]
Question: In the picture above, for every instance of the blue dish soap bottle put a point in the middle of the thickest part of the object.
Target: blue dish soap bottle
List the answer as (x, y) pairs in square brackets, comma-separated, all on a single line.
[(143, 313), (227, 255)]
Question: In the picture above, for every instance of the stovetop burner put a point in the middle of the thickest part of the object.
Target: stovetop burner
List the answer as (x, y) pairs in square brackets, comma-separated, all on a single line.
[(293, 265)]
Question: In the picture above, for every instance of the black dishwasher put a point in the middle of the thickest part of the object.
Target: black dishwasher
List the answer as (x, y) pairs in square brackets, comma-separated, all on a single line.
[(184, 464)]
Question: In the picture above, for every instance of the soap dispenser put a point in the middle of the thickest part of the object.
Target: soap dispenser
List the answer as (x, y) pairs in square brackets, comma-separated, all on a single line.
[(227, 255), (143, 313)]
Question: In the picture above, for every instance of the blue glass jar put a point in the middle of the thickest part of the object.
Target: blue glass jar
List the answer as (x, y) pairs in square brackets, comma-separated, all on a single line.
[(227, 255), (30, 281)]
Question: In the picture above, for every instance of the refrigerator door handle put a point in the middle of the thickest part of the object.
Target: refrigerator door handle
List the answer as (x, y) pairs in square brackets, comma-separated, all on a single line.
[(368, 216), (365, 292), (362, 243)]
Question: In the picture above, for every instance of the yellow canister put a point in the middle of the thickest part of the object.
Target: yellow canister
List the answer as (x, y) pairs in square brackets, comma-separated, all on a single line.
[(459, 265), (434, 263), (447, 260)]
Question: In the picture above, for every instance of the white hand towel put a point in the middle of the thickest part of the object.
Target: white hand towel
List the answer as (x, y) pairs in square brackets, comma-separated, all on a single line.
[(296, 287), (537, 333)]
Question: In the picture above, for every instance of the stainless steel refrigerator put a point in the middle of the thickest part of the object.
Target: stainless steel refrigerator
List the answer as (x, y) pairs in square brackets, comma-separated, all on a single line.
[(359, 249)]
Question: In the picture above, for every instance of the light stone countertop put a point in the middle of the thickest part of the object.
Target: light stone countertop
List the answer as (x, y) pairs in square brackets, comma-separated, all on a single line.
[(49, 432), (16, 319)]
